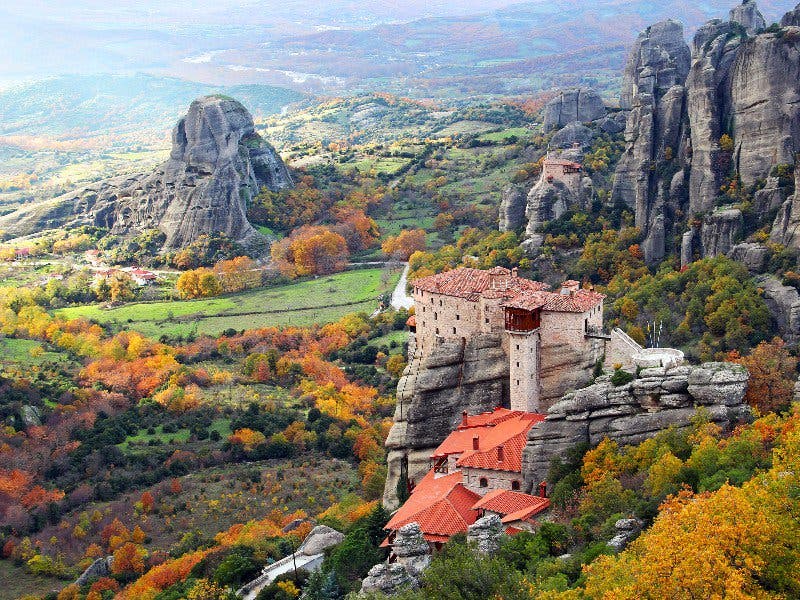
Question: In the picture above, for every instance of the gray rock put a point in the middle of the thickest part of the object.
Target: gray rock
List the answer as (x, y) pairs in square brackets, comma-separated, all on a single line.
[(627, 530), (572, 134), (753, 256), (613, 124), (512, 208), (749, 17), (485, 533), (411, 549), (581, 104), (320, 539), (792, 18), (217, 164), (783, 302), (721, 230), (387, 579), (718, 383), (768, 198), (31, 415), (786, 227), (99, 568), (656, 134)]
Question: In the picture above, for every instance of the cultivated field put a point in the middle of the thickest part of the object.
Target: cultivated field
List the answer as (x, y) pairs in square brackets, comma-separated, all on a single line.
[(321, 300)]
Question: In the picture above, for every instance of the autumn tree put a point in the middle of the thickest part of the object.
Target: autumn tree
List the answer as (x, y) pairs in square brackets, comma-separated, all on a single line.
[(121, 288), (237, 274), (772, 375), (198, 283), (311, 251), (402, 246)]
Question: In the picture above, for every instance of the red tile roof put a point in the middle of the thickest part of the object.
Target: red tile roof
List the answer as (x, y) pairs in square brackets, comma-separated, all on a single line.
[(580, 301), (511, 435), (468, 283), (485, 427), (441, 506), (512, 506)]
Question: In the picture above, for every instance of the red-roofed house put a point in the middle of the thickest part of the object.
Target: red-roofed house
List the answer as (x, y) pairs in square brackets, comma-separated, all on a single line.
[(537, 326), (470, 471)]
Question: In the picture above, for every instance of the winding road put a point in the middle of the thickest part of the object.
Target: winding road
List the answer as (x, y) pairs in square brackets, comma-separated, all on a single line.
[(401, 299)]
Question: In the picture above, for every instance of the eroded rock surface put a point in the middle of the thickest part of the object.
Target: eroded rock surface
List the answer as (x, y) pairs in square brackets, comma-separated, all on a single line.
[(217, 164), (580, 104), (485, 533), (631, 413)]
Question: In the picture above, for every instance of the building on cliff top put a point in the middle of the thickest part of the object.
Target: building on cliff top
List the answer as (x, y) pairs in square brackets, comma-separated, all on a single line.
[(475, 471), (537, 326)]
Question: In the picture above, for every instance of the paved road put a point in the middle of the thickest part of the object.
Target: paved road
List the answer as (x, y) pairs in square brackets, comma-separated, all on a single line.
[(400, 299)]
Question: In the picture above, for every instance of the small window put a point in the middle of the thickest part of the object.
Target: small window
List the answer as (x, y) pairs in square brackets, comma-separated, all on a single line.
[(435, 316), (440, 302), (518, 364), (517, 346), (515, 485), (458, 317), (517, 381), (423, 309), (431, 300), (487, 319), (437, 331), (454, 330), (483, 482)]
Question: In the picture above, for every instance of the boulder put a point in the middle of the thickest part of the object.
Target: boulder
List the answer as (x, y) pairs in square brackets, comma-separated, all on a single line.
[(485, 533), (581, 104), (512, 208), (720, 231), (753, 256), (320, 539), (388, 579), (101, 567), (627, 530), (411, 549), (572, 134)]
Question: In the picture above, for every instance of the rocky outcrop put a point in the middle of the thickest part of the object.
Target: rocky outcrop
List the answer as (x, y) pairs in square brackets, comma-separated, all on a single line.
[(769, 198), (581, 104), (786, 228), (627, 530), (572, 134), (411, 550), (101, 567), (748, 16), (512, 208), (721, 230), (431, 396), (783, 302), (548, 200), (387, 579), (412, 556), (217, 164), (792, 18), (485, 534), (751, 255), (655, 135), (320, 539), (656, 399)]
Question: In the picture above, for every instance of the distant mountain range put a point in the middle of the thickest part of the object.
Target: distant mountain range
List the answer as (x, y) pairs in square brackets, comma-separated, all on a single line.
[(80, 106)]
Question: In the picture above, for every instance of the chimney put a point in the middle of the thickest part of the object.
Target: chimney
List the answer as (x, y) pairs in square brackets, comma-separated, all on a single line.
[(515, 272), (500, 454), (464, 419), (476, 443), (543, 489)]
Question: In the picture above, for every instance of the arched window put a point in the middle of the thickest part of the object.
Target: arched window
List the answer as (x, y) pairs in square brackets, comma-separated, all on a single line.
[(515, 485), (483, 482)]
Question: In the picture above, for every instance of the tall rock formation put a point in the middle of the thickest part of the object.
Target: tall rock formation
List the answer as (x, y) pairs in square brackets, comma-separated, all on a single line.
[(580, 104), (727, 111), (512, 208), (431, 396), (217, 164), (650, 175), (749, 17)]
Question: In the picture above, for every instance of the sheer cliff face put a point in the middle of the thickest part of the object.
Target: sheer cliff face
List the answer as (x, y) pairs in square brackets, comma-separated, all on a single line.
[(741, 82), (217, 164), (654, 93)]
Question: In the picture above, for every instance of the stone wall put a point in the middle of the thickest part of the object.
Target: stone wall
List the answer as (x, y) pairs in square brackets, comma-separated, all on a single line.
[(633, 412), (620, 350), (496, 480)]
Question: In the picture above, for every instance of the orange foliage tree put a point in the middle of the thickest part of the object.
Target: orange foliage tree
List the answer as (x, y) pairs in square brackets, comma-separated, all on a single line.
[(402, 246), (311, 251), (772, 375)]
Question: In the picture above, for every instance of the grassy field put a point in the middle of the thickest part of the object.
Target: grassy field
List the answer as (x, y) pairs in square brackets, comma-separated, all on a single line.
[(27, 353), (17, 582), (321, 300)]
